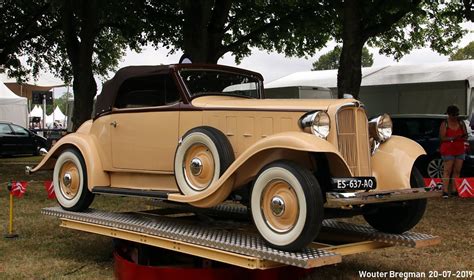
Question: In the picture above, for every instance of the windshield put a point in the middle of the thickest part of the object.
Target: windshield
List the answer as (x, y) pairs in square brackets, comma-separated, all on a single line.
[(212, 82)]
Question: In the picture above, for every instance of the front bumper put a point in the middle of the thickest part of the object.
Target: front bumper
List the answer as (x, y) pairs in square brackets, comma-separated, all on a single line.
[(344, 199)]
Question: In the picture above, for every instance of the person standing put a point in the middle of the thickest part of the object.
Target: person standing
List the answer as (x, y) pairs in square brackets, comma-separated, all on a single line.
[(452, 134)]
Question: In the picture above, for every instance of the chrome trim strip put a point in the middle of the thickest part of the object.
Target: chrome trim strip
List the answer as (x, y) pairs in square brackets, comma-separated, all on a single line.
[(340, 199)]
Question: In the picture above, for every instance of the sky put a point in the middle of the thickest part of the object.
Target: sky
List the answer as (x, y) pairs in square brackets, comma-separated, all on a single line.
[(273, 65)]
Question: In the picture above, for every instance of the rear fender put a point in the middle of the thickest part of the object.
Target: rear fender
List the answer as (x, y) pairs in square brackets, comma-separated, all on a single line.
[(393, 161), (287, 145), (85, 144)]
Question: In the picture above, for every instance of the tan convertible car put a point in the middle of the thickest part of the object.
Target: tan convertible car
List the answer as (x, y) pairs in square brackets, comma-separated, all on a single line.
[(201, 134)]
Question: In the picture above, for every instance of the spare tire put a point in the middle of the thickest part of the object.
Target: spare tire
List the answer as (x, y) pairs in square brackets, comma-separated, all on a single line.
[(203, 155)]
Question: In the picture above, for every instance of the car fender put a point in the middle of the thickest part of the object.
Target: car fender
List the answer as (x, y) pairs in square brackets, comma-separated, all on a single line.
[(84, 142), (293, 140), (398, 153)]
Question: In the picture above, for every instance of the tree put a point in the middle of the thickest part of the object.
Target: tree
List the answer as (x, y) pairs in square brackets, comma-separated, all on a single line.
[(396, 27), (206, 30), (464, 53), (84, 38), (330, 60), (22, 22)]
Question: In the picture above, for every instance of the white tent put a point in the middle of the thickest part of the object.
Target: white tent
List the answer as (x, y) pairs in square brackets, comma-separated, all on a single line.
[(56, 116), (399, 89), (36, 112), (12, 107)]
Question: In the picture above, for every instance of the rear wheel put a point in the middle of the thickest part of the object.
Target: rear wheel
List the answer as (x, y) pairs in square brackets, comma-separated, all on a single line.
[(398, 217), (287, 205), (70, 181)]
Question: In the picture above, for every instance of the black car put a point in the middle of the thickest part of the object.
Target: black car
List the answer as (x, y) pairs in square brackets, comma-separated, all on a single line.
[(424, 129), (17, 140)]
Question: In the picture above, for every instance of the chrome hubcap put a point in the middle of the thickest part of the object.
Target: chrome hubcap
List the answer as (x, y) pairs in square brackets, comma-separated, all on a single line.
[(195, 166), (277, 205), (67, 178)]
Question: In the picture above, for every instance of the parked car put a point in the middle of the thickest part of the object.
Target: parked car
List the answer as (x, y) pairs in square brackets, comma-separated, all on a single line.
[(17, 140), (197, 134), (424, 129)]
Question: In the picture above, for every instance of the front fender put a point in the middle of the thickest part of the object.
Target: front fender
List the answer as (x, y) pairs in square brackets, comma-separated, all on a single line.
[(249, 161), (393, 161), (86, 146)]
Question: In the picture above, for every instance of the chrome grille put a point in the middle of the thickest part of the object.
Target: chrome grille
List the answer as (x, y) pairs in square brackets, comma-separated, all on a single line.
[(353, 139)]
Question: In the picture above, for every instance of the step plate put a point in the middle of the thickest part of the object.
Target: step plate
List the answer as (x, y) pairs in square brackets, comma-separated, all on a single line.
[(237, 240)]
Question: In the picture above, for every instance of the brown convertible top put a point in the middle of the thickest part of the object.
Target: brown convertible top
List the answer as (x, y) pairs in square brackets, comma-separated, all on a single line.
[(105, 100)]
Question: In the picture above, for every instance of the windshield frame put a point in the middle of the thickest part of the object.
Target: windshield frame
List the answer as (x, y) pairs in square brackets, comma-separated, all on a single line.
[(229, 70)]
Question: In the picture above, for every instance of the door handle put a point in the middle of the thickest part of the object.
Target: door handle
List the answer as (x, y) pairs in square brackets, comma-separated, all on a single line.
[(114, 124)]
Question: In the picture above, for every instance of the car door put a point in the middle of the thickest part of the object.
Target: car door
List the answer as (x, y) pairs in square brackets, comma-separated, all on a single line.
[(24, 140), (144, 124), (8, 144)]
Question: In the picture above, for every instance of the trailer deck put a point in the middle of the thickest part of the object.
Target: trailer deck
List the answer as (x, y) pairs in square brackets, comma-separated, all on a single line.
[(224, 234)]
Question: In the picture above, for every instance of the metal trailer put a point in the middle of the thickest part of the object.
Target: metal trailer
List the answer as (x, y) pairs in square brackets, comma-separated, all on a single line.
[(224, 234)]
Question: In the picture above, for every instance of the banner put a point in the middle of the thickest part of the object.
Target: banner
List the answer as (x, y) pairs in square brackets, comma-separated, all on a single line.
[(49, 187), (433, 184), (18, 188), (465, 187)]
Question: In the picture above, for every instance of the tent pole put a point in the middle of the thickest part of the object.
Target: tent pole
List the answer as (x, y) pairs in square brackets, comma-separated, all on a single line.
[(44, 113)]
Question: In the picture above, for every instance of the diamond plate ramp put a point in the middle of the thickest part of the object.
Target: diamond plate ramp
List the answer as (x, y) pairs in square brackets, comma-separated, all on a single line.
[(236, 241)]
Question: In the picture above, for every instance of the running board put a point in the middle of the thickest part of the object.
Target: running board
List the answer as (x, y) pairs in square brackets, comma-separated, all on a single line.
[(130, 192)]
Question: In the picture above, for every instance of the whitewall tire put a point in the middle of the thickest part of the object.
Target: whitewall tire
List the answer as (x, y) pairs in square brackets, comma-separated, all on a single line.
[(201, 158), (70, 181), (286, 205)]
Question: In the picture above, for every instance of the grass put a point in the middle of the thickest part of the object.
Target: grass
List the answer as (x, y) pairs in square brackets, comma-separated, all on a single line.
[(46, 251)]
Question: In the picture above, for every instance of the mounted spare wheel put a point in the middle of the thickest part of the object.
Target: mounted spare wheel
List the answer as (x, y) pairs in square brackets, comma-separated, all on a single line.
[(203, 155), (70, 181), (287, 205)]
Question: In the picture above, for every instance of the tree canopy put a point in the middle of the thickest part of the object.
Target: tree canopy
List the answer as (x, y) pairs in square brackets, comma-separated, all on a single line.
[(79, 39), (330, 60), (75, 40), (464, 53)]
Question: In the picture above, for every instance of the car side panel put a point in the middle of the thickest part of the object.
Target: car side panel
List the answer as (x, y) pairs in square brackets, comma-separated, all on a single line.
[(397, 154)]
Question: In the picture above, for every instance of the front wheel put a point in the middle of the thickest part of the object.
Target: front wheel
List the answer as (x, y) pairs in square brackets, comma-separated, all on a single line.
[(398, 217), (287, 205), (70, 181)]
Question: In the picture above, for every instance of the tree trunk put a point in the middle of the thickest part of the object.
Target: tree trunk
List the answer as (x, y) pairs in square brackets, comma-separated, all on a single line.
[(349, 74), (80, 55), (85, 88), (203, 29)]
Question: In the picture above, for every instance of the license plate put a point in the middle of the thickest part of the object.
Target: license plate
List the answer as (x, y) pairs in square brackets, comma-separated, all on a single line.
[(354, 183)]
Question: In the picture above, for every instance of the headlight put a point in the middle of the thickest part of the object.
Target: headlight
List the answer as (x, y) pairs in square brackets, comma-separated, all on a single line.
[(381, 128), (317, 122)]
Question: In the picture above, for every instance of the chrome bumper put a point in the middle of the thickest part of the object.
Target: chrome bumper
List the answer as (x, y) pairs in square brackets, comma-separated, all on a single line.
[(340, 199)]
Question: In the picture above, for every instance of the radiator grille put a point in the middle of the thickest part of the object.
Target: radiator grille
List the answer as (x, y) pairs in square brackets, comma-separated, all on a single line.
[(353, 139)]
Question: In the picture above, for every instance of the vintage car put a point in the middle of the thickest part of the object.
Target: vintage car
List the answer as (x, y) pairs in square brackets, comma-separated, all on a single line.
[(201, 134)]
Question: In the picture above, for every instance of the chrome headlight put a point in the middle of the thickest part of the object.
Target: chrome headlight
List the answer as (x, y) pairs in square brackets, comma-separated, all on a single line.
[(380, 128), (317, 123)]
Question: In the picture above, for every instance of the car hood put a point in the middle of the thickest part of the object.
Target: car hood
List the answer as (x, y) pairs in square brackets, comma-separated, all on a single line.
[(230, 102)]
